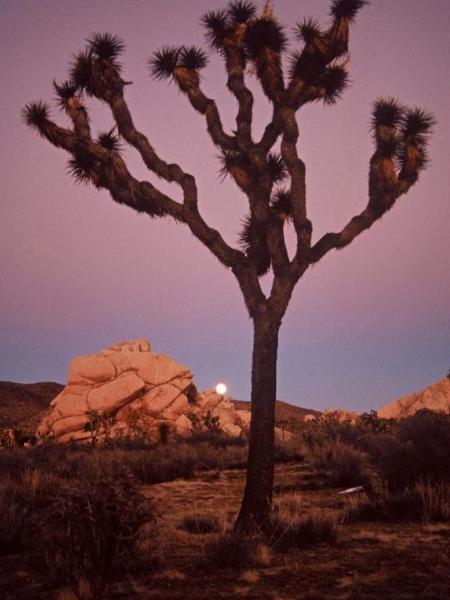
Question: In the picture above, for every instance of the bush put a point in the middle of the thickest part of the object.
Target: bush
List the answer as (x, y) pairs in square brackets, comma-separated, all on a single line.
[(424, 502), (288, 532), (13, 517), (90, 532), (416, 450), (345, 465), (22, 499), (287, 452)]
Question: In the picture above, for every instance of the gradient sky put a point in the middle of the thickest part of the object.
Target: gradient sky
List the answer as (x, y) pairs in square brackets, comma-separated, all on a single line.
[(79, 272)]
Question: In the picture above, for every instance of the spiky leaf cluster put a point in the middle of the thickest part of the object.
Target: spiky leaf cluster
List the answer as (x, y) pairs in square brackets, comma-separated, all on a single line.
[(281, 203), (164, 62), (334, 81), (307, 65), (415, 128), (418, 123), (241, 11), (264, 33), (276, 167), (81, 74), (35, 114), (108, 140), (346, 9), (217, 28), (401, 136), (80, 167), (64, 92), (253, 242), (229, 160), (192, 58), (308, 31), (106, 46), (387, 112)]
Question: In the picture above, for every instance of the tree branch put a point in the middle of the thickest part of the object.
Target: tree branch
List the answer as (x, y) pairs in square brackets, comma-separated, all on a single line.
[(296, 168)]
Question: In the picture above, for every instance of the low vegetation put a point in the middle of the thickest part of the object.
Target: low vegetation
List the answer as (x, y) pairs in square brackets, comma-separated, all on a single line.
[(88, 519)]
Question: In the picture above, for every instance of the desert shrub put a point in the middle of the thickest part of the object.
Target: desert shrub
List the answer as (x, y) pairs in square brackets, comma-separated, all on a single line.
[(417, 449), (345, 465), (200, 524), (287, 530), (423, 501), (13, 516), (215, 438), (90, 532), (289, 451), (238, 550), (22, 499)]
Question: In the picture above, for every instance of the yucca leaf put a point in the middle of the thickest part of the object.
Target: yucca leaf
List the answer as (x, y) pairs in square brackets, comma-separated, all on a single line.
[(108, 140), (281, 203), (264, 33), (228, 160), (81, 71), (253, 242), (417, 122), (106, 46), (306, 65), (276, 167), (217, 27), (241, 11), (79, 167), (308, 30), (335, 81), (35, 114), (346, 9), (64, 92), (164, 62), (192, 58), (386, 112)]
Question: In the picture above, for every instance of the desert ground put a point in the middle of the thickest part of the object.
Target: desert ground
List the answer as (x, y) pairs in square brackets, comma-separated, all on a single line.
[(184, 549)]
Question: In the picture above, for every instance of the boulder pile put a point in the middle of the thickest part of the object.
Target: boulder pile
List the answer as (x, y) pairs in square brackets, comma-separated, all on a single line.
[(128, 390)]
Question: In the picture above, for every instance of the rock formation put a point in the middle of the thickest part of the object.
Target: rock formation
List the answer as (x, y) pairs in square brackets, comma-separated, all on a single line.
[(128, 390), (435, 397)]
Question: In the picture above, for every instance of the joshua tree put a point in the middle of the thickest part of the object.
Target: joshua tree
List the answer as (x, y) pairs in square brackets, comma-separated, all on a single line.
[(273, 183)]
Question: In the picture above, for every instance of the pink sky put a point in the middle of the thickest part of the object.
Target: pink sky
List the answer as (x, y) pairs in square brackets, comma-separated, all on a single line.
[(80, 272)]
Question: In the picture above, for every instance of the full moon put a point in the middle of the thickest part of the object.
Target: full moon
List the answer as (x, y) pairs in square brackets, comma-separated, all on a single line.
[(221, 389)]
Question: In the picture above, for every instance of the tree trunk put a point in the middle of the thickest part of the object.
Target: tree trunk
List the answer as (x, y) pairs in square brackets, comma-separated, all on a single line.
[(257, 501)]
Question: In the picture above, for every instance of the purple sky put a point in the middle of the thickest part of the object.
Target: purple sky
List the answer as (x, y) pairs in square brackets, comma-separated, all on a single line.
[(79, 272)]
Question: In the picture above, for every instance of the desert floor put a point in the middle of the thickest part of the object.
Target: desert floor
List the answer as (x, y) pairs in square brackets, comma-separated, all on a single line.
[(369, 560)]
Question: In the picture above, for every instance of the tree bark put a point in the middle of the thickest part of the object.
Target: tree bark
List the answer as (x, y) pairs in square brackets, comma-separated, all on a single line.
[(257, 501)]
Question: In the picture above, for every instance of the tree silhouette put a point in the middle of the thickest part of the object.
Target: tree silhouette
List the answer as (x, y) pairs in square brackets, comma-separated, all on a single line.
[(274, 183)]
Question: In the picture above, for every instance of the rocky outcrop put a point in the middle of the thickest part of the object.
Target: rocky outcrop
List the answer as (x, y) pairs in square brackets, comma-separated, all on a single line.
[(435, 397), (128, 390)]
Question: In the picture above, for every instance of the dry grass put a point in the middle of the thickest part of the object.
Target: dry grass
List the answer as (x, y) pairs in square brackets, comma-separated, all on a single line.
[(423, 501), (200, 524)]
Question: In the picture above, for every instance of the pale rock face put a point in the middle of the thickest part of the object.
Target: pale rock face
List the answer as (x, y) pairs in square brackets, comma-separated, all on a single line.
[(128, 390), (243, 418), (90, 368), (435, 397), (183, 426), (114, 394)]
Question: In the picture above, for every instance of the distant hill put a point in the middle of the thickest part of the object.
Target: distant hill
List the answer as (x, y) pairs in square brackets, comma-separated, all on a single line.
[(434, 397), (22, 403), (286, 415)]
